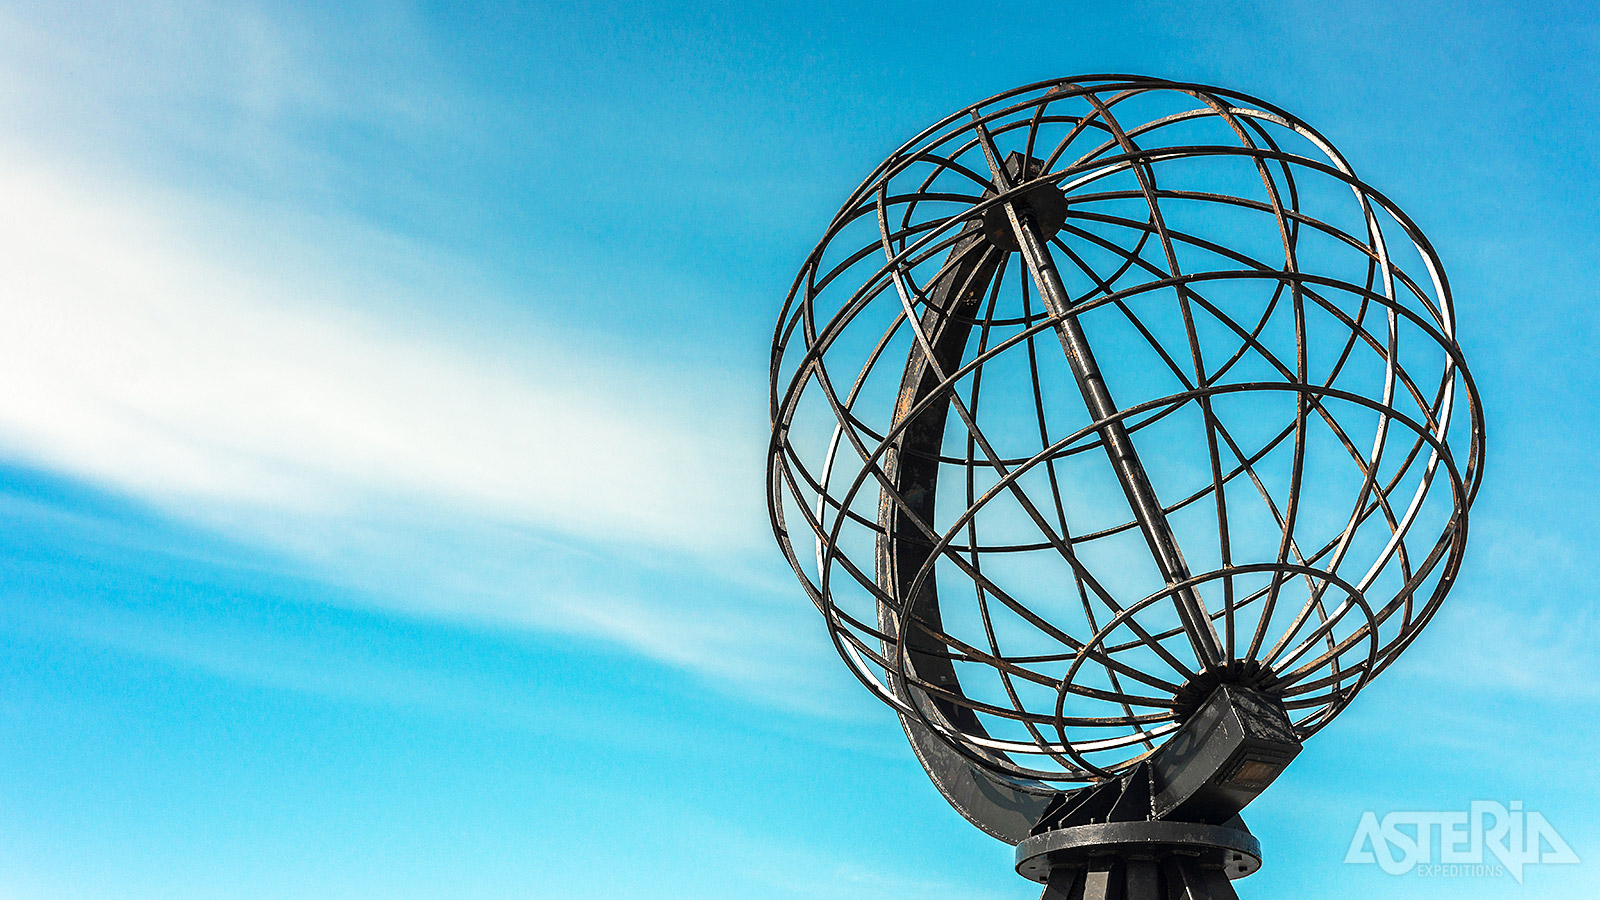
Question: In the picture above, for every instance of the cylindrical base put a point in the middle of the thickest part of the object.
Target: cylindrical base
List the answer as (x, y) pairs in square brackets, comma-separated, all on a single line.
[(1139, 861)]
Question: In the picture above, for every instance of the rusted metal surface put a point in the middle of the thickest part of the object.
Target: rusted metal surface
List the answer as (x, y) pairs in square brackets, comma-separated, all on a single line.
[(1044, 581)]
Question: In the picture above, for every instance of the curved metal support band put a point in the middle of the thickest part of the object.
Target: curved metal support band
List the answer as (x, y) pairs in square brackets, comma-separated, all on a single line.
[(1003, 807)]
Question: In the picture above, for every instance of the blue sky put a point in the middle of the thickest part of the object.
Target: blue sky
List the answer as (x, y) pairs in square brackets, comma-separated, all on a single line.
[(383, 414)]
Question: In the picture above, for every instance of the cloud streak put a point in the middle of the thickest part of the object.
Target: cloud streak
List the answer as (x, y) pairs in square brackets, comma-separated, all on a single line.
[(372, 410), (139, 364), (558, 489)]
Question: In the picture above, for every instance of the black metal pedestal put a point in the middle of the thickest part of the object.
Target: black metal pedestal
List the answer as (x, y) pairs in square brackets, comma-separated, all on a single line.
[(1150, 860)]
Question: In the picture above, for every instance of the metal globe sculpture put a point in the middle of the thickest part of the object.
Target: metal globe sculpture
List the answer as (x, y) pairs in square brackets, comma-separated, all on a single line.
[(1121, 435)]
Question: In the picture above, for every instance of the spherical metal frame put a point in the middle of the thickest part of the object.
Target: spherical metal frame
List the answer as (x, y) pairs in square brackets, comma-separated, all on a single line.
[(1148, 168)]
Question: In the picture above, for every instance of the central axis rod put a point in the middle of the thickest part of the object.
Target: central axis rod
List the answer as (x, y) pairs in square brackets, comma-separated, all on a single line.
[(1147, 509)]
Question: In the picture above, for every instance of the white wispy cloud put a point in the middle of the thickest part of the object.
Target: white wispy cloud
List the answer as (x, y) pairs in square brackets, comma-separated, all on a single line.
[(235, 347), (139, 364), (441, 477)]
